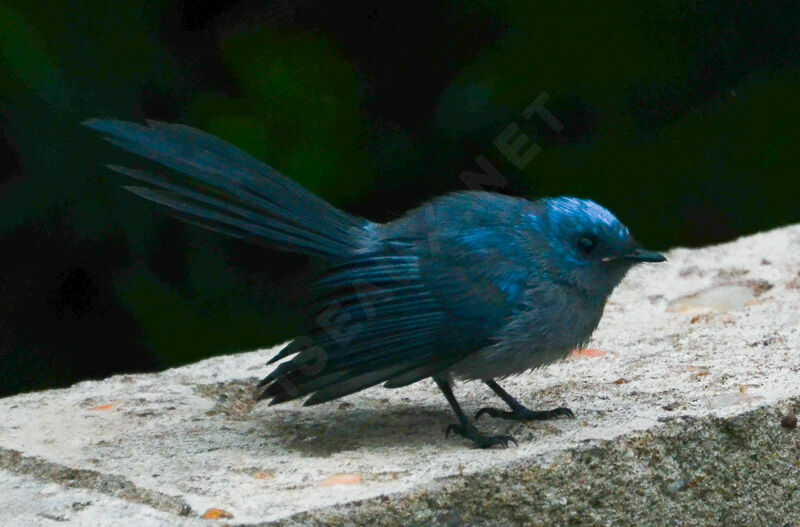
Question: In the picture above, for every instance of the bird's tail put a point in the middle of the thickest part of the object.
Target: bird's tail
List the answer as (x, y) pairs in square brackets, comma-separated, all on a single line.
[(229, 191)]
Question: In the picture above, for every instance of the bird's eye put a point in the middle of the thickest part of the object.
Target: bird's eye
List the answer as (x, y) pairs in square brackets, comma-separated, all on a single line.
[(586, 244)]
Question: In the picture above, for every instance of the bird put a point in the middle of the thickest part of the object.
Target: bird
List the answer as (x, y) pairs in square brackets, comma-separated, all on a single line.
[(468, 286)]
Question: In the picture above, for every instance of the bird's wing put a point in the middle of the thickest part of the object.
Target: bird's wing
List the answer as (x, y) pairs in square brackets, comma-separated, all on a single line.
[(477, 275), (375, 323)]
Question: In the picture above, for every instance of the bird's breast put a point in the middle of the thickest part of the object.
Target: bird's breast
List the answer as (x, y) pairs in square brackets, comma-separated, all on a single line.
[(539, 333)]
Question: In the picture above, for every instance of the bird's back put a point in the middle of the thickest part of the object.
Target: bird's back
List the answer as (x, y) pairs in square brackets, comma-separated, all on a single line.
[(475, 256)]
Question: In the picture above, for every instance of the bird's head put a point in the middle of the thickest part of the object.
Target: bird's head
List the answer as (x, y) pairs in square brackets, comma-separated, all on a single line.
[(588, 247)]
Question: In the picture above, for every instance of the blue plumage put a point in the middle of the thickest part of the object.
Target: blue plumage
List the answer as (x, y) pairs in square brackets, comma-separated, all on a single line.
[(470, 285)]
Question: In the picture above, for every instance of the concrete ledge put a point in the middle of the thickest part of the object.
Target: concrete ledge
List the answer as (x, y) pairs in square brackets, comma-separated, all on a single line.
[(678, 422)]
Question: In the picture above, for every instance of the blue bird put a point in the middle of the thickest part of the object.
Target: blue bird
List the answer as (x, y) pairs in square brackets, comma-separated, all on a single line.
[(471, 285)]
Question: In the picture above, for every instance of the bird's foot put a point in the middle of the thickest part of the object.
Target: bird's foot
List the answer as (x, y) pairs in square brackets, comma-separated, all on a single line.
[(480, 439), (524, 414)]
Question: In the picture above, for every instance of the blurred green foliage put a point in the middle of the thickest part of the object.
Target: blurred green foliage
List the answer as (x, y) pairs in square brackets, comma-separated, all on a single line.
[(679, 116), (298, 106)]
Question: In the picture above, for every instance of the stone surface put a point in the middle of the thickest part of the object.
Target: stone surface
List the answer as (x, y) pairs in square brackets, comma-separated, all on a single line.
[(678, 422)]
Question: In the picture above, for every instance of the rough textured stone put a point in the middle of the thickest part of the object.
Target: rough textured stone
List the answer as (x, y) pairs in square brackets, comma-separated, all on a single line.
[(678, 423)]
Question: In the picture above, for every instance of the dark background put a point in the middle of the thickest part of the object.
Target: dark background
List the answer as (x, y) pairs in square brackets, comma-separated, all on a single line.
[(681, 117)]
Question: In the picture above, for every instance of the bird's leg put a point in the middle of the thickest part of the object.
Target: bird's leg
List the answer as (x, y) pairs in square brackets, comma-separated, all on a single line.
[(466, 429), (518, 411)]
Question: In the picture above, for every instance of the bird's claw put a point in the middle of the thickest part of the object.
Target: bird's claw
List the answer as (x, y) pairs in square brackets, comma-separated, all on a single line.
[(561, 411), (493, 412), (523, 414), (480, 440)]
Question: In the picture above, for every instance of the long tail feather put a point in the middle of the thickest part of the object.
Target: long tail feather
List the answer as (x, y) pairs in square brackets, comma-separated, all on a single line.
[(227, 190)]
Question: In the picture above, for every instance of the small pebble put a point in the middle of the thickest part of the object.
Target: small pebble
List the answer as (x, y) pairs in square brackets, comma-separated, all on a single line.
[(720, 298), (341, 479), (676, 486), (587, 353), (103, 407), (789, 421), (217, 514)]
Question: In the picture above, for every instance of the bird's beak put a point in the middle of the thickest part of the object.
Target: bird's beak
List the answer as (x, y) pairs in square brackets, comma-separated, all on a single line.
[(638, 255)]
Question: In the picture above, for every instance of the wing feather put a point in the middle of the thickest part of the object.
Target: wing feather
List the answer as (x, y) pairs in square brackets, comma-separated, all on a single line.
[(369, 331)]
